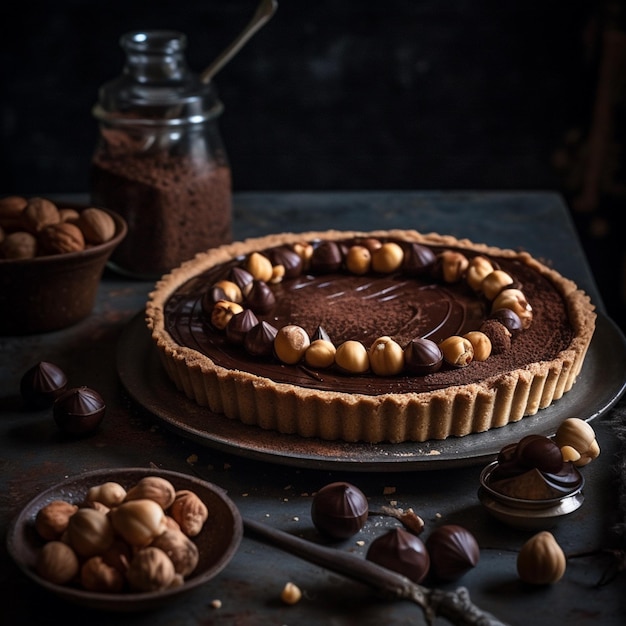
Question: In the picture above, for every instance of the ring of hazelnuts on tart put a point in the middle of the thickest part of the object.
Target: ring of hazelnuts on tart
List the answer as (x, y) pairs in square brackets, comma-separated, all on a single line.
[(232, 304)]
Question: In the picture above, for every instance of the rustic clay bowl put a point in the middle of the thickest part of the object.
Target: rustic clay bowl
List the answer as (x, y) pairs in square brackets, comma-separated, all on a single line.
[(527, 514), (55, 291), (217, 542)]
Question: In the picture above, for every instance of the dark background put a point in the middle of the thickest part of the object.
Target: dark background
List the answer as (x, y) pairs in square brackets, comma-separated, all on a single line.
[(348, 94)]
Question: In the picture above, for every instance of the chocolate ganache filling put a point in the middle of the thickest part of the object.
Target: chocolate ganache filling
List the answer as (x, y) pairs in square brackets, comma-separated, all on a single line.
[(349, 306)]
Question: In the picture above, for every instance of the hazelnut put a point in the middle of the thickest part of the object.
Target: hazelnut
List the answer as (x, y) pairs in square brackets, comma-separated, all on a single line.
[(259, 266), (579, 435), (386, 357), (515, 300), (51, 520), (320, 354), (352, 357), (358, 260), (479, 267), (222, 313), (96, 225), (97, 575), (481, 344), (278, 273), (151, 570), (541, 560), (290, 594), (231, 291), (110, 494), (494, 283), (453, 265), (89, 532), (189, 511), (305, 251), (57, 562), (388, 258), (457, 351), (138, 522), (153, 488), (181, 550), (291, 343)]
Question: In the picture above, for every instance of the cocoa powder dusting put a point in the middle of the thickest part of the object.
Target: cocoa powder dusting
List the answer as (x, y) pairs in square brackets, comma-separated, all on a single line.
[(175, 207)]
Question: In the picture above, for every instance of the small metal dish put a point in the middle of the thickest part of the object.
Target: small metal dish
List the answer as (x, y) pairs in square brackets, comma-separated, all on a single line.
[(527, 514)]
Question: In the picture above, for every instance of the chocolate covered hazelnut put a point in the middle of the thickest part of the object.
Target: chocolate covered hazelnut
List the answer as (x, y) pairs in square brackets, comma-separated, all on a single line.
[(79, 410), (401, 551), (326, 258), (42, 384), (422, 356), (259, 340), (239, 325), (453, 551), (290, 260), (418, 260), (339, 510), (260, 297), (508, 318)]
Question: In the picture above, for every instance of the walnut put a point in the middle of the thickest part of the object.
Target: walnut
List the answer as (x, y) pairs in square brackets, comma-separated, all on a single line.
[(11, 209), (68, 215), (18, 245), (61, 238), (97, 225), (38, 214)]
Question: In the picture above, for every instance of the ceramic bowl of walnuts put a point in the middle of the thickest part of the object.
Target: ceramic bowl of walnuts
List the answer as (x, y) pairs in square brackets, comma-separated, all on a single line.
[(52, 256), (125, 540)]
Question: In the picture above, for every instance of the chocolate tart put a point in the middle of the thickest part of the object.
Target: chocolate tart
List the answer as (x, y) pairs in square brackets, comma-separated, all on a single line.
[(542, 363)]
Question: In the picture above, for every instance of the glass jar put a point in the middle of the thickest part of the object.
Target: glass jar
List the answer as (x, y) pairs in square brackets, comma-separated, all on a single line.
[(159, 159)]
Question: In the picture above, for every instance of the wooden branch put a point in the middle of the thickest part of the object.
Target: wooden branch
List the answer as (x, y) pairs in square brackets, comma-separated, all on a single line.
[(455, 606)]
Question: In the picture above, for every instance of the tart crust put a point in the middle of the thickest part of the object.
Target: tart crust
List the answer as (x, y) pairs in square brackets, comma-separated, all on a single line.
[(351, 417)]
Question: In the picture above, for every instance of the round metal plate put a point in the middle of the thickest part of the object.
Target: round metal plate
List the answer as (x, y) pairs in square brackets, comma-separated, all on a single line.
[(600, 385)]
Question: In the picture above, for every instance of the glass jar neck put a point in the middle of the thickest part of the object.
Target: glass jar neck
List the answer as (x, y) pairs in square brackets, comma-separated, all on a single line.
[(155, 56)]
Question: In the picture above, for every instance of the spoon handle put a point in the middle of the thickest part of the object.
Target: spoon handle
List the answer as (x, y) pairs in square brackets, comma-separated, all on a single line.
[(264, 12), (455, 606)]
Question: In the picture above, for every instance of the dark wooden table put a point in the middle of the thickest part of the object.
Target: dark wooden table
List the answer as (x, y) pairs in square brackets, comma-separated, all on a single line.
[(33, 454)]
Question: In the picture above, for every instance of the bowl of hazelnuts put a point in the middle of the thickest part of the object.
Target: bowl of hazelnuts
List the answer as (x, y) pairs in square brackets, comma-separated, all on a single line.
[(52, 257), (125, 539)]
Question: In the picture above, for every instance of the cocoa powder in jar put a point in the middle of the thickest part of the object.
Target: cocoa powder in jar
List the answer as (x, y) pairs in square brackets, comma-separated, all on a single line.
[(175, 207)]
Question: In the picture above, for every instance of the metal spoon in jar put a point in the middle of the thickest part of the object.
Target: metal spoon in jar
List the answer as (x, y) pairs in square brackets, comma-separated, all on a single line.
[(264, 12)]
